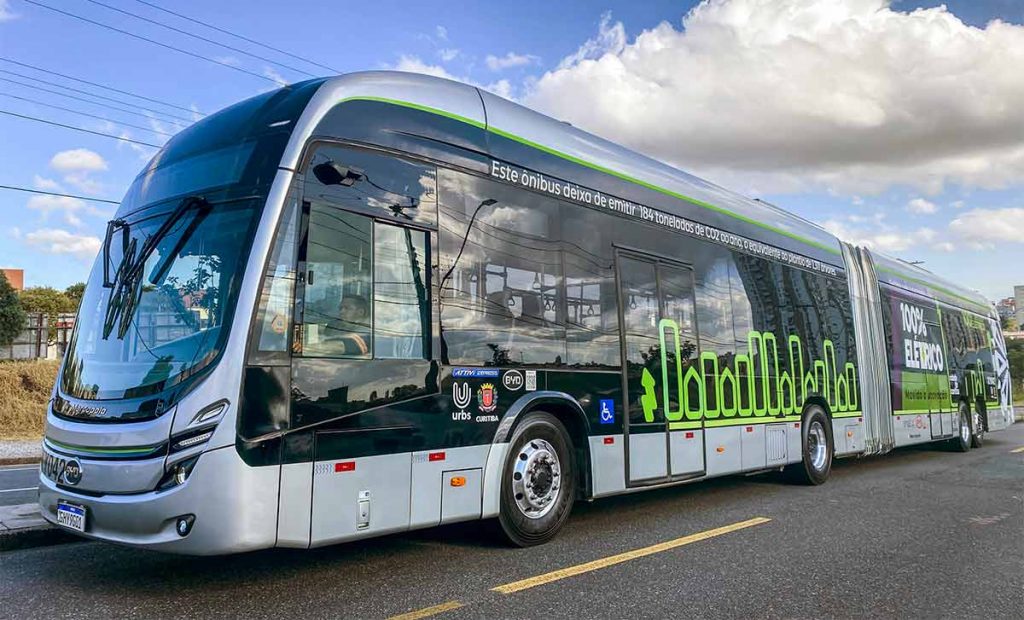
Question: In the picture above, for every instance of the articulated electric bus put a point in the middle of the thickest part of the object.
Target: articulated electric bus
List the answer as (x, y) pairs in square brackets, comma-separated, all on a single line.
[(385, 301)]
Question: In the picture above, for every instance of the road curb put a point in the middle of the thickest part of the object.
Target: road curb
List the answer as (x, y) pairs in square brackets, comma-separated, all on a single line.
[(21, 460), (29, 537)]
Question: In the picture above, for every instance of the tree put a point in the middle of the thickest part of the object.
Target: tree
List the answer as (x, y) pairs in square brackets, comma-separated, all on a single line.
[(50, 302), (12, 315), (75, 293), (1015, 356)]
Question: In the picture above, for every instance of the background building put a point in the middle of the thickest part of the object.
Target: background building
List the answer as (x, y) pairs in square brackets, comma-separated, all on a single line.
[(1018, 294), (15, 276), (1007, 308)]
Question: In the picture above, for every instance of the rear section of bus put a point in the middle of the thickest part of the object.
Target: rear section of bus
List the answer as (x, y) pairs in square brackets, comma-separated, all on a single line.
[(140, 436)]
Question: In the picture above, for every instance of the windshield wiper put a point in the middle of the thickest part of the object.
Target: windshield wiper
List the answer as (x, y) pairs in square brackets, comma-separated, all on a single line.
[(126, 288)]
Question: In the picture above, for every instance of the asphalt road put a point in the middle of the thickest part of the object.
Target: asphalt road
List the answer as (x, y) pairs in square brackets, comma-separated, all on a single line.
[(18, 484), (921, 533)]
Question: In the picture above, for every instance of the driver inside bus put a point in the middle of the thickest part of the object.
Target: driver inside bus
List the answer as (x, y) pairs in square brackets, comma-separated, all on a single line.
[(350, 334)]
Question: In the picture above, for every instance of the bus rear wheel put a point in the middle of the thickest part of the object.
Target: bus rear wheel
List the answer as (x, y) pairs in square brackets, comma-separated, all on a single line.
[(961, 442), (538, 484), (816, 447), (977, 428)]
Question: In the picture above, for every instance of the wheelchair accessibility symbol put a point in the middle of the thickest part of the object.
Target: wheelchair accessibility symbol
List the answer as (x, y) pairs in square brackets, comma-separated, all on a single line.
[(607, 410)]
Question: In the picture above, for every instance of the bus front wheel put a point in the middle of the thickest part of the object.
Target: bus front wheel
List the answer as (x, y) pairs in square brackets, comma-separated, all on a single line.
[(538, 484), (816, 449)]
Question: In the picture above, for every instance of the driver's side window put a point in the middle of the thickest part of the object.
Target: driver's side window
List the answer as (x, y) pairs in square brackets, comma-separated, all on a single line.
[(363, 261)]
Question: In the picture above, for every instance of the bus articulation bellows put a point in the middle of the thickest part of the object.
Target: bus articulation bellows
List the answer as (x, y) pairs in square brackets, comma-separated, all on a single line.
[(385, 301)]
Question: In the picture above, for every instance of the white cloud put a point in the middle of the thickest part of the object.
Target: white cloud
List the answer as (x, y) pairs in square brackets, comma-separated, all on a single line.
[(5, 11), (68, 208), (509, 60), (985, 228), (448, 54), (921, 206), (610, 39), (57, 241), (885, 238), (792, 95), (78, 160), (274, 75), (45, 184), (441, 32), (412, 64), (229, 60), (957, 204)]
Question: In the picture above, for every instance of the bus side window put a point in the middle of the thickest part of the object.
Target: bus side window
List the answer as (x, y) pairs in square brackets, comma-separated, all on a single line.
[(365, 293), (401, 305), (337, 314), (273, 323)]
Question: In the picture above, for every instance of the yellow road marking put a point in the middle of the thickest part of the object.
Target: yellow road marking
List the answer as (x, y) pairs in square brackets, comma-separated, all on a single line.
[(426, 612), (579, 569), (1016, 450)]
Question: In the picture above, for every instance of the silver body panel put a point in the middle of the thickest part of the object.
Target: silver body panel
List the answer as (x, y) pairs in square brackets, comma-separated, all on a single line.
[(607, 465), (234, 505), (686, 452)]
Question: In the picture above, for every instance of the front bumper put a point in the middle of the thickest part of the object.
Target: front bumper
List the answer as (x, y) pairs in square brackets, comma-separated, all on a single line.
[(235, 509)]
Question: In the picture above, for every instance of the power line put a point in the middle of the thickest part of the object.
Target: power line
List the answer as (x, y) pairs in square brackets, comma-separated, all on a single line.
[(102, 118), (110, 88), (39, 191), (85, 92), (237, 36), (154, 42), (72, 127), (89, 101), (195, 36)]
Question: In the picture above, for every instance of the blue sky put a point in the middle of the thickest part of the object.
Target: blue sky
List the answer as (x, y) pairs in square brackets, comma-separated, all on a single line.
[(959, 213)]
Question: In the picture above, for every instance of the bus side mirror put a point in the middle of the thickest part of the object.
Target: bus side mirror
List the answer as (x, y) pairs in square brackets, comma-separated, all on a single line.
[(331, 173)]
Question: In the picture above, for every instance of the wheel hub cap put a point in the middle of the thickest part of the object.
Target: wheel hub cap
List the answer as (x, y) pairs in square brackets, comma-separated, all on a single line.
[(536, 478), (817, 446)]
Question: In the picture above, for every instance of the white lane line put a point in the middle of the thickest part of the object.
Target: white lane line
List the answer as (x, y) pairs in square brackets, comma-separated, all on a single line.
[(20, 490), (5, 469)]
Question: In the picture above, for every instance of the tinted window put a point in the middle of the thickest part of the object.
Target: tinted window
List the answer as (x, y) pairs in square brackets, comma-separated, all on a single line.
[(373, 183), (501, 287), (337, 313), (365, 292), (592, 322), (277, 297)]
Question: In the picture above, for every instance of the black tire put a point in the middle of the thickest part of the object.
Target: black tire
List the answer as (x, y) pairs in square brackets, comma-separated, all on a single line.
[(532, 432), (811, 470), (977, 428), (961, 442)]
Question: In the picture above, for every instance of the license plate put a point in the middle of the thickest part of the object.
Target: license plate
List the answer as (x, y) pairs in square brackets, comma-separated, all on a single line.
[(71, 516)]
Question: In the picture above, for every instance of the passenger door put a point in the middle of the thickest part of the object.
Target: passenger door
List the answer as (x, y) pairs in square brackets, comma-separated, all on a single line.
[(662, 381), (364, 374)]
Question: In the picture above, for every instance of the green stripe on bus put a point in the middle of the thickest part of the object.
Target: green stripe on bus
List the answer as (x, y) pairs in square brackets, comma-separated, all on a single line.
[(599, 168), (749, 421), (678, 426), (916, 411), (847, 414), (118, 451)]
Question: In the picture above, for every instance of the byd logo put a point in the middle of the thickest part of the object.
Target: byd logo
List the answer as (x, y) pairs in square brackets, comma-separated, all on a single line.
[(513, 380)]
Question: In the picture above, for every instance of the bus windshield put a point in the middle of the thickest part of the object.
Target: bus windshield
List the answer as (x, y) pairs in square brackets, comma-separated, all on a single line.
[(160, 319)]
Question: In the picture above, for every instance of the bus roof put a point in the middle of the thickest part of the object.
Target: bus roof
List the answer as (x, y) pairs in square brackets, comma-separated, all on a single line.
[(500, 116)]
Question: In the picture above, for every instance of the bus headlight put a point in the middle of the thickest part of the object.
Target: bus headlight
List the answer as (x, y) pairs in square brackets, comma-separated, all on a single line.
[(178, 474)]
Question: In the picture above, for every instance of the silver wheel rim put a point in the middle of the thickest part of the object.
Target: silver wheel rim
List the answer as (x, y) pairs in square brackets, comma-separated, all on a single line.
[(817, 446), (536, 478), (965, 429)]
